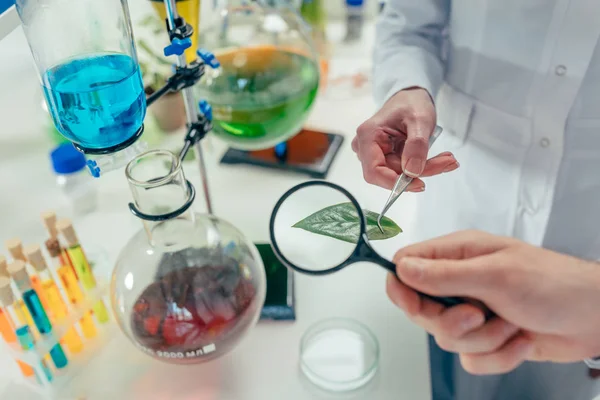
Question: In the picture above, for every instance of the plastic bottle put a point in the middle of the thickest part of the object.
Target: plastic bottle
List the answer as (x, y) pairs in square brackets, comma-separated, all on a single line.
[(355, 17), (73, 179)]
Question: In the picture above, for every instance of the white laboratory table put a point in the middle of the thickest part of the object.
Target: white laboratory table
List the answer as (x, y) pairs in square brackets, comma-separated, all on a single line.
[(265, 365)]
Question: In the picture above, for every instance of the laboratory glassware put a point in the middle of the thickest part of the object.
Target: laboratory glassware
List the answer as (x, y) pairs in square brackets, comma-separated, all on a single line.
[(15, 247), (403, 181), (339, 355), (81, 265), (70, 284), (85, 55), (268, 77), (316, 254), (73, 179), (32, 301), (57, 306), (22, 331), (187, 287), (7, 330)]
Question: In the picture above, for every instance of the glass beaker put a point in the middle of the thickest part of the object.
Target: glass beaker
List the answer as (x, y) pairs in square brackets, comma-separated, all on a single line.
[(269, 75), (187, 287), (86, 58)]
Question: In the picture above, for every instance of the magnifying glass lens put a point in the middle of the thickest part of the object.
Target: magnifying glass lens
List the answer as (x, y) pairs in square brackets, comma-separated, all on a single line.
[(316, 228)]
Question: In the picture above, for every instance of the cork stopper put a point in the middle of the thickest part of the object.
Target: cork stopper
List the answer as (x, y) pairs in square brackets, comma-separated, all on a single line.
[(35, 257), (6, 294), (49, 219), (53, 247), (66, 228), (18, 272), (15, 247), (3, 266)]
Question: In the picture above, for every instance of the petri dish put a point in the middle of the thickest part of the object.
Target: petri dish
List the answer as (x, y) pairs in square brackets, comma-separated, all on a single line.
[(339, 355)]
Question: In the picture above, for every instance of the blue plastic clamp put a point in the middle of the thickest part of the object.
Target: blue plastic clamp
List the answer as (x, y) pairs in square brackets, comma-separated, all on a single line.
[(177, 47), (208, 58), (205, 109), (94, 169)]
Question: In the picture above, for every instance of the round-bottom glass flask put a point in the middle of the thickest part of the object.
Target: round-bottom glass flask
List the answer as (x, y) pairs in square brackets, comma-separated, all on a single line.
[(268, 77), (187, 287)]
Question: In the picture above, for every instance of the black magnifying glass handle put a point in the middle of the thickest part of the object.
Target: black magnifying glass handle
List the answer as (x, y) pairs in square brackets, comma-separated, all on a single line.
[(445, 301)]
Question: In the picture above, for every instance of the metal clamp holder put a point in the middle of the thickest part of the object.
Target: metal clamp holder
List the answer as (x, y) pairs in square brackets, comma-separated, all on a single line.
[(173, 214)]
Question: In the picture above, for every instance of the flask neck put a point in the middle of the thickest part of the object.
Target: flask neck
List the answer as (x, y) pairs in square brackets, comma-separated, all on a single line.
[(159, 187)]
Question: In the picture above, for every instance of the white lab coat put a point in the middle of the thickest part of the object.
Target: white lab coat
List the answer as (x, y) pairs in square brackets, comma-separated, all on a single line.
[(517, 88)]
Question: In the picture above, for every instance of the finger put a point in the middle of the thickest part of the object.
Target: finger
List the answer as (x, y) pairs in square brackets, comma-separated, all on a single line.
[(375, 169), (355, 144), (421, 310), (440, 164), (457, 246), (419, 128), (486, 339), (457, 321), (402, 296), (475, 277), (506, 359)]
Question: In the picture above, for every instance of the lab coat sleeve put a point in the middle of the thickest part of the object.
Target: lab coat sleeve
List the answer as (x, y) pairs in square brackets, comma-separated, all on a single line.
[(408, 47)]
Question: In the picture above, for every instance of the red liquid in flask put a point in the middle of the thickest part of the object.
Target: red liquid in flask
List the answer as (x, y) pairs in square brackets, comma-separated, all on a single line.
[(193, 312)]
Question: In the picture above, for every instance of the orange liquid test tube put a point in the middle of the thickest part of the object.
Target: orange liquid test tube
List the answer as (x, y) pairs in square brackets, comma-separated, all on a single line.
[(6, 327)]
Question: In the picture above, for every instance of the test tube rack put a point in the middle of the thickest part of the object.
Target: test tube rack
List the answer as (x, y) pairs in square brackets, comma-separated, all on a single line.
[(77, 362)]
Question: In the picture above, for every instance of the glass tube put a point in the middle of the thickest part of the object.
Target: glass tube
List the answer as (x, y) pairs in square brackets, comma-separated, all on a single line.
[(55, 249), (69, 282), (38, 313), (20, 332), (82, 266), (8, 333), (15, 247), (57, 305)]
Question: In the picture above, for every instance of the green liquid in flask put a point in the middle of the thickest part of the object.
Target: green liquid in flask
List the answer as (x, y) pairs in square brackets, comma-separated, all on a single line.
[(262, 95)]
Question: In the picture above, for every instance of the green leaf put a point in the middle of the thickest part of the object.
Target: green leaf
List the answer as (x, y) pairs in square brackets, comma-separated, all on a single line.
[(341, 222)]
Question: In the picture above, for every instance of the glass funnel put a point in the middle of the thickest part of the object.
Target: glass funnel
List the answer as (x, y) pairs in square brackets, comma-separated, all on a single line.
[(86, 58), (269, 75), (187, 287)]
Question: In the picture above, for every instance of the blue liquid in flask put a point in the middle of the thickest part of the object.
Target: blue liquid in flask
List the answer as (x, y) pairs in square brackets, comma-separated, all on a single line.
[(43, 324), (26, 341), (96, 101)]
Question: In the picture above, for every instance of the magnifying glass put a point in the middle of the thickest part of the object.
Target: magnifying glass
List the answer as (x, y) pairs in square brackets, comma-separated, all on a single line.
[(318, 228)]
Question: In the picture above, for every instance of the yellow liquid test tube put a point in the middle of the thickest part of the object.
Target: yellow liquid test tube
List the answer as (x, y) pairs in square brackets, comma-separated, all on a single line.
[(69, 282), (56, 303), (82, 266)]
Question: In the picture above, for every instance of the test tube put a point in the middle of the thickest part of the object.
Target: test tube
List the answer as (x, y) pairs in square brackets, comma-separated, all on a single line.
[(22, 332), (31, 299), (6, 325), (81, 264), (49, 219), (15, 247), (69, 282), (57, 305)]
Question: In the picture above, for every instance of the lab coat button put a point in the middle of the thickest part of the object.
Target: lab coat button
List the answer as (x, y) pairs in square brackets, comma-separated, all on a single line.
[(560, 70), (545, 142)]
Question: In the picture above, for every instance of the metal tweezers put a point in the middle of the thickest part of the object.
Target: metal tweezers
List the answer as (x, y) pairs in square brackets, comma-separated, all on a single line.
[(403, 182)]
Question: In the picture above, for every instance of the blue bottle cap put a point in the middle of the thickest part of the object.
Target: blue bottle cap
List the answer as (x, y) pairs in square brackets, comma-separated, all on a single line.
[(354, 2), (66, 159)]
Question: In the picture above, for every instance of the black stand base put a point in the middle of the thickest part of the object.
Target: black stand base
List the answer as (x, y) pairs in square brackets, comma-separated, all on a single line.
[(309, 152)]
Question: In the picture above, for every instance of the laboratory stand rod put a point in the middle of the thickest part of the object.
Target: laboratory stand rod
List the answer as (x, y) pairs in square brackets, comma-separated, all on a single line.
[(190, 106)]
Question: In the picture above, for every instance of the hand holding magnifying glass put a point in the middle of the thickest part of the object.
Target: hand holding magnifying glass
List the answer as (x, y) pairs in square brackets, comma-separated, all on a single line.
[(320, 254)]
